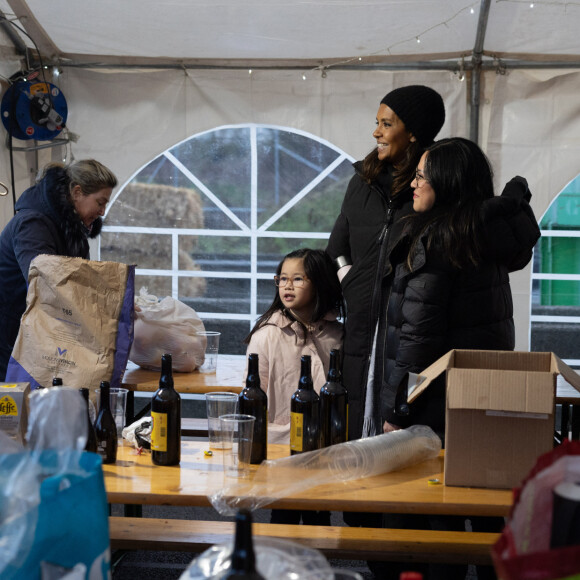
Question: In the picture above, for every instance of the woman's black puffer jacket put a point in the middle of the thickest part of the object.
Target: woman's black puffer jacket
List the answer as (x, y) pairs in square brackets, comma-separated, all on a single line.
[(368, 227), (436, 307)]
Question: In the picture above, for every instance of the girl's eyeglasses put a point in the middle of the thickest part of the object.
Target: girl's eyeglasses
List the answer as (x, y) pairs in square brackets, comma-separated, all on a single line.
[(297, 281)]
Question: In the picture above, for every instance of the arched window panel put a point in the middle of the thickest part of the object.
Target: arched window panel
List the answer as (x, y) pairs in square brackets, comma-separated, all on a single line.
[(555, 320), (208, 220)]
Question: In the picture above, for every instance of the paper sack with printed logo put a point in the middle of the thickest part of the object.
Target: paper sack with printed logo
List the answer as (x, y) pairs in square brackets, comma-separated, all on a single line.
[(78, 323)]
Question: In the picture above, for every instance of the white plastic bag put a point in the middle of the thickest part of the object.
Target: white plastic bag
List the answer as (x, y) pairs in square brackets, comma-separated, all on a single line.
[(166, 326)]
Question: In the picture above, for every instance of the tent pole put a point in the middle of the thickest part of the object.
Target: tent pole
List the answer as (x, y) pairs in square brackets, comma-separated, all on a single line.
[(476, 59), (475, 101)]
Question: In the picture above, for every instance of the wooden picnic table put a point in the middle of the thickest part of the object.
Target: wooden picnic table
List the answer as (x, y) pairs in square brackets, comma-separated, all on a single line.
[(134, 480), (229, 376)]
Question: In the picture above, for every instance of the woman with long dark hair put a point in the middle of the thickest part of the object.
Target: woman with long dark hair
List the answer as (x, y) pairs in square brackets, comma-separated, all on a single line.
[(368, 227), (451, 285), (451, 290)]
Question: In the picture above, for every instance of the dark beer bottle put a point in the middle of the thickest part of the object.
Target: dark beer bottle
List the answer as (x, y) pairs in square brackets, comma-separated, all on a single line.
[(304, 412), (333, 405), (166, 417), (92, 436), (254, 401), (105, 427), (243, 560)]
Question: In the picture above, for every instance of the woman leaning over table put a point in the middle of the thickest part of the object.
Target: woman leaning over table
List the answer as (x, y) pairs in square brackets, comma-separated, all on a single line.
[(451, 290), (56, 216)]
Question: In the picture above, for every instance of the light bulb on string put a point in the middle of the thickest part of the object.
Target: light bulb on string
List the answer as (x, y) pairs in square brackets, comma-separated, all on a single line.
[(418, 40), (303, 77), (250, 71)]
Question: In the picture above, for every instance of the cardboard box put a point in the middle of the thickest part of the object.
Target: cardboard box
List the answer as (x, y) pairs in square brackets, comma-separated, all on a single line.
[(14, 409), (500, 412)]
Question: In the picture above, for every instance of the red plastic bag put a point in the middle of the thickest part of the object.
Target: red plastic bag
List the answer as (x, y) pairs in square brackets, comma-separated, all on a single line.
[(523, 550)]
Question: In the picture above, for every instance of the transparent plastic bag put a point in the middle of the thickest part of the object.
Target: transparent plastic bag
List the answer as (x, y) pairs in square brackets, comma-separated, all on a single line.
[(275, 558), (52, 465), (166, 326), (347, 461)]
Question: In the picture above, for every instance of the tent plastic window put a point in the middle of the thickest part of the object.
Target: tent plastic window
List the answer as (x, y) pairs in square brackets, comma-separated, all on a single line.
[(555, 315), (208, 220)]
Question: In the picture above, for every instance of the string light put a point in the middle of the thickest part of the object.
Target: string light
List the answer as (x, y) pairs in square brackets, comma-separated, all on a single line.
[(250, 71), (303, 77), (418, 40)]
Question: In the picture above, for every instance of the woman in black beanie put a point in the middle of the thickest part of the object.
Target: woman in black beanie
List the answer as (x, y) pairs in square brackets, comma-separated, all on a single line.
[(365, 232)]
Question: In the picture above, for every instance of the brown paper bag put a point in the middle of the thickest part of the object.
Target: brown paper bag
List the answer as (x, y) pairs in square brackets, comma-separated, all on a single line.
[(78, 323)]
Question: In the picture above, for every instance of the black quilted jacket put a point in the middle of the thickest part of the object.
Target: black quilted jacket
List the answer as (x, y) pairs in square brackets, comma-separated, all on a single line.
[(436, 307)]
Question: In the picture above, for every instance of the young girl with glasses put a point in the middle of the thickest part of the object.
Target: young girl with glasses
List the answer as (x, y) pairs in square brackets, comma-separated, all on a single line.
[(302, 320)]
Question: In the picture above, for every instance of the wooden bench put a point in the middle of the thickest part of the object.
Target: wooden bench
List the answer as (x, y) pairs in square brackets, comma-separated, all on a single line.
[(194, 427), (333, 541)]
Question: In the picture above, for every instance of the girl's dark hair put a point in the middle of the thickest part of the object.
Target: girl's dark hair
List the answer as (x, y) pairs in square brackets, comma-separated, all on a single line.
[(320, 270), (402, 175), (462, 178)]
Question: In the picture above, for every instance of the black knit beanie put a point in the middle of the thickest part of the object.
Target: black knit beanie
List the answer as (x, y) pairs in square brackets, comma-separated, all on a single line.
[(420, 108)]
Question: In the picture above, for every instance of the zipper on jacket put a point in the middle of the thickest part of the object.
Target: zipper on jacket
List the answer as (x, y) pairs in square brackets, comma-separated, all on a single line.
[(375, 305), (387, 224)]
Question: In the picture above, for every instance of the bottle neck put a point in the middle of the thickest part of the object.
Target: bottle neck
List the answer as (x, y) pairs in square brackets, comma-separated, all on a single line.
[(243, 556), (166, 379), (253, 378), (334, 374), (305, 373), (105, 401)]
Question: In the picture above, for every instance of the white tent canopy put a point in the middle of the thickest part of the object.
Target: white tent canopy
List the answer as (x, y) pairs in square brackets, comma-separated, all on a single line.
[(142, 75), (283, 32)]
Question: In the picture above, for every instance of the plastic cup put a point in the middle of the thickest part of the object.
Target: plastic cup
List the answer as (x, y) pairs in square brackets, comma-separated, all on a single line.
[(237, 432), (118, 399), (212, 344), (218, 404)]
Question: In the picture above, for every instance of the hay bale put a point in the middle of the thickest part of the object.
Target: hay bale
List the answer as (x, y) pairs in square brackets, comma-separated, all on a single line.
[(159, 206)]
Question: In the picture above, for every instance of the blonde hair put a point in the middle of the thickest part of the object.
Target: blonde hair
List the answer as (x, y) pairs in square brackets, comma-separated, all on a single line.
[(89, 174)]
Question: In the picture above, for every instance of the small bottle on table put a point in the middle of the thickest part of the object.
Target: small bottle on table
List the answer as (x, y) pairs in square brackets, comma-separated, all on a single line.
[(166, 417)]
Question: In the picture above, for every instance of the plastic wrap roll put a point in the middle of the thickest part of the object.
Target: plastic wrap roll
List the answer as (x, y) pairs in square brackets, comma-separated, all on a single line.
[(346, 461)]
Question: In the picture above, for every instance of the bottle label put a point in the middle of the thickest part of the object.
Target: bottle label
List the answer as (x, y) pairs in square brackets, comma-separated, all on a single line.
[(159, 431), (296, 432)]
